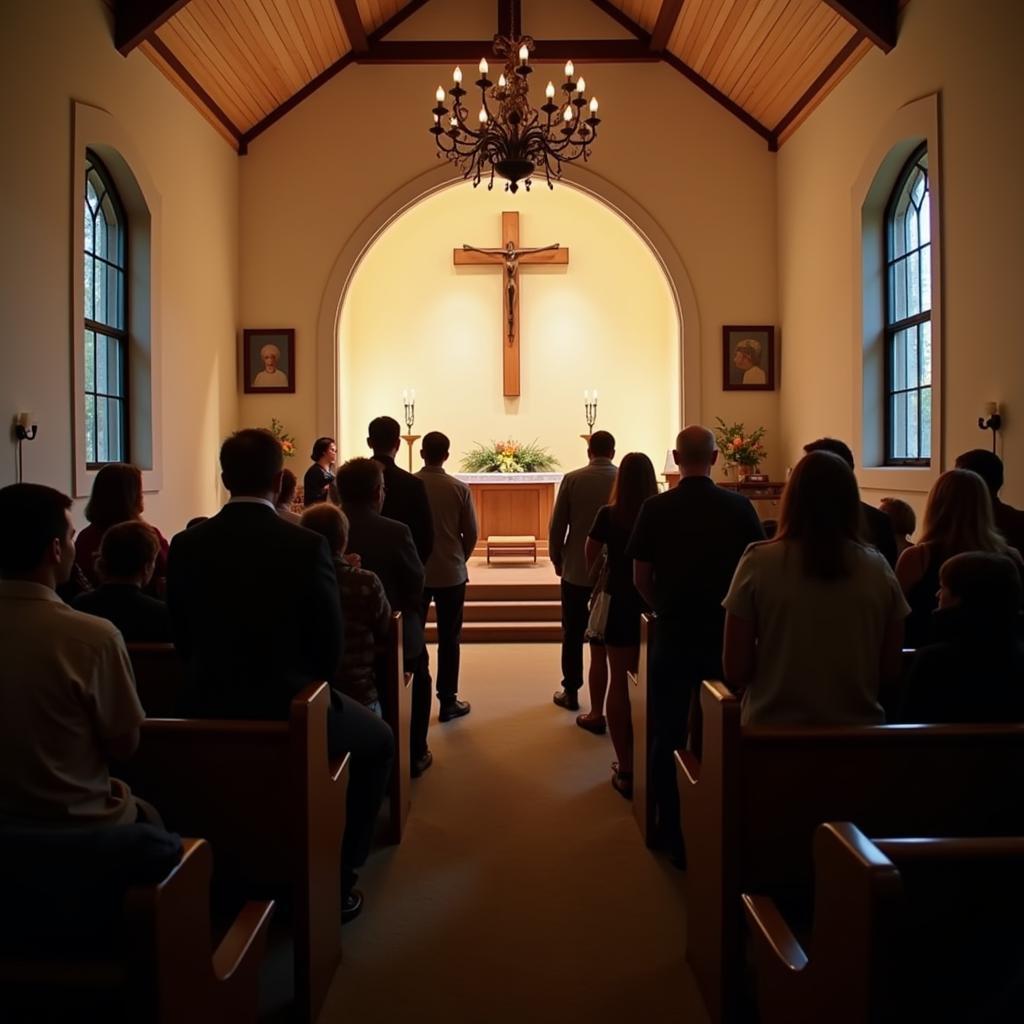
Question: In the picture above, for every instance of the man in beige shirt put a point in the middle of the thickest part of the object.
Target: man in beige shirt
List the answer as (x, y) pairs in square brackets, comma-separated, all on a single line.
[(67, 694), (455, 534)]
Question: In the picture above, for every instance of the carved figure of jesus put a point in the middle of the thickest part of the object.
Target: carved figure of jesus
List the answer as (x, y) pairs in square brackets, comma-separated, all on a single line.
[(510, 257)]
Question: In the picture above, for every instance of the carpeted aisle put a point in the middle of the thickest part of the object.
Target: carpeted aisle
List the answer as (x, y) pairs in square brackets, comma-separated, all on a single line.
[(522, 891)]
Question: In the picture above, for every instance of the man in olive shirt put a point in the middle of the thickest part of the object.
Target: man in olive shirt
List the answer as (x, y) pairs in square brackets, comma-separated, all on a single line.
[(582, 493), (455, 534)]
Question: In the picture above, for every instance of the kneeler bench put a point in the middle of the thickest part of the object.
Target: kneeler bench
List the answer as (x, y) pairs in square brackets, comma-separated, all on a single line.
[(751, 804), (273, 808), (904, 929), (511, 545), (149, 960)]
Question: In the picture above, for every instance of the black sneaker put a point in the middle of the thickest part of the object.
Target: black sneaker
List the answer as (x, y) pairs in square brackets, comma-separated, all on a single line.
[(351, 905), (567, 699), (453, 709), (421, 764)]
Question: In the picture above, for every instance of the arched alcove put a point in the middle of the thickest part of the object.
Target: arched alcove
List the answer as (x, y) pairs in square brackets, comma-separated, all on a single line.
[(674, 383)]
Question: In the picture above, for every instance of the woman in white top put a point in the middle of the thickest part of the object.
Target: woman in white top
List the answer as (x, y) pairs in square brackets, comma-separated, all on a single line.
[(814, 617)]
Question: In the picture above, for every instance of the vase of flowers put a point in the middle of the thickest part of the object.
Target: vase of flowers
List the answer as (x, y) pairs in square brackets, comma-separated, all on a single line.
[(287, 441), (739, 447), (509, 457)]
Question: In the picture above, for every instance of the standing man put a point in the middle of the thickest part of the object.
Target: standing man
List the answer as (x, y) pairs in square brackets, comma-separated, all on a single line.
[(455, 534), (988, 465), (685, 548), (582, 493)]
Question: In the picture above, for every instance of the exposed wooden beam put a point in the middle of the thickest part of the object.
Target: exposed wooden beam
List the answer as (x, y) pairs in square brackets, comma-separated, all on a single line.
[(666, 23), (623, 19), (876, 19), (353, 23), (719, 97), (596, 51), (396, 19), (186, 76), (136, 20)]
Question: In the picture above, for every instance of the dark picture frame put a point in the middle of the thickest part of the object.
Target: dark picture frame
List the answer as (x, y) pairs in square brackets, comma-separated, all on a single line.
[(748, 352), (259, 368)]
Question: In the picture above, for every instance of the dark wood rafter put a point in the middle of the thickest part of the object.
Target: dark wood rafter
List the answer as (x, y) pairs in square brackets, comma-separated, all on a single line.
[(136, 21), (600, 51), (510, 18), (396, 19), (623, 19), (354, 28), (815, 87), (878, 20), (666, 23), (189, 79)]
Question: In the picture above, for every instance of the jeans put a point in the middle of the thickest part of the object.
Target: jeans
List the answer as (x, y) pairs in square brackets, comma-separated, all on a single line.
[(450, 602), (575, 614)]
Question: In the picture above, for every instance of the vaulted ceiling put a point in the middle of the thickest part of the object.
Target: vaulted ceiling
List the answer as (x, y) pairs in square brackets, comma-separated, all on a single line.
[(246, 63)]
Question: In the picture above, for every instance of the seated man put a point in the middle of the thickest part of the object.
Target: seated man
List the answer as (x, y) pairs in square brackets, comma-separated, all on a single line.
[(67, 694), (255, 614), (127, 558)]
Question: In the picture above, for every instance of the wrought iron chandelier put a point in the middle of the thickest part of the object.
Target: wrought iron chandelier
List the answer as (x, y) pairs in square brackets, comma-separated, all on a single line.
[(512, 139)]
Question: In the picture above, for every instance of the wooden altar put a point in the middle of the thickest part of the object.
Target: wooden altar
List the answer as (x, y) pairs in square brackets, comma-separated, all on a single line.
[(516, 504)]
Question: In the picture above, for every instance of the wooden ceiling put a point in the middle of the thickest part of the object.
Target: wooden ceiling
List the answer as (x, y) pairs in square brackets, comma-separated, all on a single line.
[(246, 63)]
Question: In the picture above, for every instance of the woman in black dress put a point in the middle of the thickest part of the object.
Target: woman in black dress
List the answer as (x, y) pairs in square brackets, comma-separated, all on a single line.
[(611, 531), (319, 476)]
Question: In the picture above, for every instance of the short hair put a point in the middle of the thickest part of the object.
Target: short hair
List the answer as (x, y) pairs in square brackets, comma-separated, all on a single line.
[(286, 495), (752, 348), (383, 433), (901, 515), (320, 446), (833, 445), (116, 495), (31, 518), (356, 481), (270, 348), (435, 446), (986, 464), (984, 582), (127, 549), (602, 444), (695, 446), (330, 522), (250, 459)]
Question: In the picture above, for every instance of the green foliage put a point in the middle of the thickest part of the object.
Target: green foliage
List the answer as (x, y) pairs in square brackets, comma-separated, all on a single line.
[(286, 439), (509, 457), (738, 447)]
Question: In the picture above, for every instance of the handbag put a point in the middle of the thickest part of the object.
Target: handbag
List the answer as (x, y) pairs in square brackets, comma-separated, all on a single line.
[(600, 605)]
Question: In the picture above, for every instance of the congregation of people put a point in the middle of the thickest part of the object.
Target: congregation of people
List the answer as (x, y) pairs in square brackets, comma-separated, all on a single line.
[(281, 589)]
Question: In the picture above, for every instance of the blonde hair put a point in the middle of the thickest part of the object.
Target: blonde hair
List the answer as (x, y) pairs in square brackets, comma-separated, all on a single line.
[(958, 515)]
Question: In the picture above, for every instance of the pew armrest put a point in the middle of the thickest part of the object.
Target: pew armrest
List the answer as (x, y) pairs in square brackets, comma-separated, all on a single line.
[(245, 939), (768, 928)]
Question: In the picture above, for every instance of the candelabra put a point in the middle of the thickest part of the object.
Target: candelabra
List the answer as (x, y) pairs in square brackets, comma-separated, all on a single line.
[(590, 410), (409, 401), (992, 420)]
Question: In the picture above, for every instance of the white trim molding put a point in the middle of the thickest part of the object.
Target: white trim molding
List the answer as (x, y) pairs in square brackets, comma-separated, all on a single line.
[(99, 131), (904, 132)]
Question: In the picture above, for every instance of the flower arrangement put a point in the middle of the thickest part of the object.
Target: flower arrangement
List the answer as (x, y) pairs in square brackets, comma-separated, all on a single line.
[(509, 457), (738, 447), (286, 439)]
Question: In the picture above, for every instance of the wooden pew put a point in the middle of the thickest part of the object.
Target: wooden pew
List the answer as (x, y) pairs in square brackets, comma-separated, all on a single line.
[(904, 929), (272, 806), (750, 806), (158, 966), (159, 678), (396, 700), (640, 712)]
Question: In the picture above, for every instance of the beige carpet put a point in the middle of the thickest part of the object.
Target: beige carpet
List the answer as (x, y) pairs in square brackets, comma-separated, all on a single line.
[(522, 891)]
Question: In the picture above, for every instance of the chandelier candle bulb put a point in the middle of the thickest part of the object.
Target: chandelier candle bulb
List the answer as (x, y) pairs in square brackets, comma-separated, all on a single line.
[(439, 94), (568, 114), (550, 90), (524, 54), (501, 82), (484, 67), (483, 116), (569, 69), (593, 105), (457, 76), (581, 85)]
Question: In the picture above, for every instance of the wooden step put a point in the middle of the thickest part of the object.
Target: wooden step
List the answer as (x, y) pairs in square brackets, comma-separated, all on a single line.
[(507, 611), (505, 633), (512, 591)]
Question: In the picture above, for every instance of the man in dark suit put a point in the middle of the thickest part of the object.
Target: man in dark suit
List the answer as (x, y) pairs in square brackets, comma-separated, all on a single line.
[(878, 529), (385, 547), (256, 616), (685, 548)]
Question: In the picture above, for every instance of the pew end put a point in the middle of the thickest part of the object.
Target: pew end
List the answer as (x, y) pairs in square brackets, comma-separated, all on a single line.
[(638, 685), (396, 700)]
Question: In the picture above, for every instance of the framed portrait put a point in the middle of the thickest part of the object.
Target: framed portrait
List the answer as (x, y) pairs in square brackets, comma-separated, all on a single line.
[(268, 361), (748, 358)]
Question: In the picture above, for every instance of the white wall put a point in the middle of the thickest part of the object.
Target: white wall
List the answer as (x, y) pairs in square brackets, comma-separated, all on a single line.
[(606, 321), (970, 54), (50, 54), (311, 179)]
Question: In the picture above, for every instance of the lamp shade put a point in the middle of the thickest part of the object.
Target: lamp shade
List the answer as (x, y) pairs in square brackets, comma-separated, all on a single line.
[(670, 463)]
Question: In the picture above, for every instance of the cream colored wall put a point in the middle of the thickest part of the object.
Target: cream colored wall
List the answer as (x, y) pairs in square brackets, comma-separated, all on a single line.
[(311, 179), (607, 321), (50, 54), (970, 54)]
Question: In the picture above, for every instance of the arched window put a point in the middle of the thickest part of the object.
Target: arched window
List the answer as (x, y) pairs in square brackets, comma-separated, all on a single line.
[(105, 318), (908, 327)]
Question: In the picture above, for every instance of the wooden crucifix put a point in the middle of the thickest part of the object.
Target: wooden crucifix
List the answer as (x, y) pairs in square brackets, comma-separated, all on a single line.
[(510, 257)]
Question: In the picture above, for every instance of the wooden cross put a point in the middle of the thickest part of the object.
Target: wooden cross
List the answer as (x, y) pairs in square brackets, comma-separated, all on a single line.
[(510, 257)]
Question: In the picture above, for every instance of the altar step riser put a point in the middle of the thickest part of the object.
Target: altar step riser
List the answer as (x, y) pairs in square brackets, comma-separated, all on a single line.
[(512, 591), (507, 611), (505, 633)]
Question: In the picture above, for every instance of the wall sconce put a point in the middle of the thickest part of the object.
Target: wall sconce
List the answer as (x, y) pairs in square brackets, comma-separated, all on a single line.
[(992, 420), (24, 430)]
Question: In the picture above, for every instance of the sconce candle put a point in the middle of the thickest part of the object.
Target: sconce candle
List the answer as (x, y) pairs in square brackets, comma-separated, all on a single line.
[(24, 420)]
